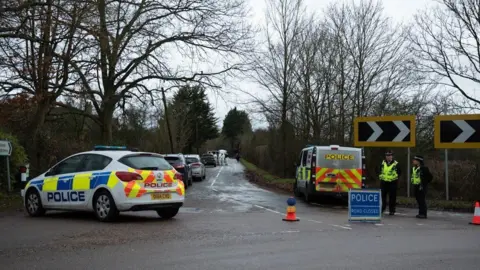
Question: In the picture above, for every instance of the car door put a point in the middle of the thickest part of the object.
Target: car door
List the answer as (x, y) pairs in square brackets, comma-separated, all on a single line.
[(86, 176), (308, 166), (300, 170), (57, 184)]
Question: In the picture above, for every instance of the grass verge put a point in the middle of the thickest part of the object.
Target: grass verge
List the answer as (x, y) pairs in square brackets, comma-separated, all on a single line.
[(264, 178), (10, 201)]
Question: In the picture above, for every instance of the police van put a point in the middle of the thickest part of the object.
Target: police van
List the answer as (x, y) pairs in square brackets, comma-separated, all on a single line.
[(107, 180), (329, 171)]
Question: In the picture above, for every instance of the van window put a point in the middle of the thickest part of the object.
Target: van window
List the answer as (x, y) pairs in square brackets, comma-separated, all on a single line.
[(339, 159), (304, 158)]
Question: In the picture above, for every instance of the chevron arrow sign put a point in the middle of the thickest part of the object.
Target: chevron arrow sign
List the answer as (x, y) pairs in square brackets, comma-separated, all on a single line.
[(385, 131), (457, 131)]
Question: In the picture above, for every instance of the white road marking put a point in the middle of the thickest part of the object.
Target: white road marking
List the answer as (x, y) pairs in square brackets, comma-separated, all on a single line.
[(311, 220), (378, 224), (214, 189), (270, 210), (316, 221), (216, 177), (287, 232), (343, 227)]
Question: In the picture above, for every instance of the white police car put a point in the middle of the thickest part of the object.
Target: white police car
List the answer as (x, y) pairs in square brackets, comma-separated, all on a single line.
[(108, 180)]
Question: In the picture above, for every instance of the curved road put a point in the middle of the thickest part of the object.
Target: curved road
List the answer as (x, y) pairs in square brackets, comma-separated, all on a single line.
[(228, 223)]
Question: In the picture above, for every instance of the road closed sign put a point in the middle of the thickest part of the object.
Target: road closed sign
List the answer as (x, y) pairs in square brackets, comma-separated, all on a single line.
[(364, 205)]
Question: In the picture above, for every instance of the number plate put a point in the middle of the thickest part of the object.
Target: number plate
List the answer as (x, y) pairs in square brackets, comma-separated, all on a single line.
[(161, 196)]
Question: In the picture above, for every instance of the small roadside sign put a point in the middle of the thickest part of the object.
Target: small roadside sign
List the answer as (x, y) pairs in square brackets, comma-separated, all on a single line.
[(5, 148), (364, 205), (6, 151)]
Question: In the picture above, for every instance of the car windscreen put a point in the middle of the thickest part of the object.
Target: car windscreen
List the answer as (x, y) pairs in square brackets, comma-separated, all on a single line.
[(146, 162), (173, 160), (192, 160), (207, 156)]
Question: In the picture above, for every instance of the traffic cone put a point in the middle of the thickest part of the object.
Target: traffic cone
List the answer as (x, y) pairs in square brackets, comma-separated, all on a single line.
[(291, 210), (476, 215)]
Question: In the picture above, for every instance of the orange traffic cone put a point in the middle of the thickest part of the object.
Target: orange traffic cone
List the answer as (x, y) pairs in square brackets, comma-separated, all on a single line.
[(291, 210), (476, 215)]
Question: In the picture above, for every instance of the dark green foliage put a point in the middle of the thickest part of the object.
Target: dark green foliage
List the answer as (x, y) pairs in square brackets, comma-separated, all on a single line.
[(201, 123), (235, 124)]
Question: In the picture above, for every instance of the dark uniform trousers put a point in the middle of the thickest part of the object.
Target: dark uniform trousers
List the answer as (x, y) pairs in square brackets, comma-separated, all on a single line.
[(420, 196), (390, 189)]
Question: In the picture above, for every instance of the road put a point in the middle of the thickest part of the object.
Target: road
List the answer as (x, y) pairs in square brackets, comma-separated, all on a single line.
[(228, 223)]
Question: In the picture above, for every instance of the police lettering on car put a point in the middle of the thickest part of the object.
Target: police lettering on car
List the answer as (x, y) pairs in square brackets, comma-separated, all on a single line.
[(66, 196)]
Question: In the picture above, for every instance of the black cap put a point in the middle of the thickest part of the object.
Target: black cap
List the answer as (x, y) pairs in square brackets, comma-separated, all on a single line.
[(418, 157), (389, 153)]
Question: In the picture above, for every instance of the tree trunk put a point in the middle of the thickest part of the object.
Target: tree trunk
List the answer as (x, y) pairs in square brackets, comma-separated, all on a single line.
[(106, 120), (36, 126), (167, 121)]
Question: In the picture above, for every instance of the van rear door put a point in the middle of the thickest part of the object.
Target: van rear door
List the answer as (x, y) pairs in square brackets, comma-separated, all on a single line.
[(338, 170)]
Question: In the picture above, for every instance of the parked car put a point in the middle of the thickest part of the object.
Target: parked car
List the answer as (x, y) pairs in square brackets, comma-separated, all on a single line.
[(215, 156), (198, 168), (180, 164), (107, 181), (208, 159)]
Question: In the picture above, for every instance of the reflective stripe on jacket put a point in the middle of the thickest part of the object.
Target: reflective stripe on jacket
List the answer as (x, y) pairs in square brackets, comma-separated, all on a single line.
[(416, 176), (389, 172)]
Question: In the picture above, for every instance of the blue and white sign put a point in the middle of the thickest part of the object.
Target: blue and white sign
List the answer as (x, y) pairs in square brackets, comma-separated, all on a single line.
[(364, 205)]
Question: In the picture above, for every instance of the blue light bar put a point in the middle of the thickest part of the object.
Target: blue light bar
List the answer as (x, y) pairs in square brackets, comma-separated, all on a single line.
[(106, 147)]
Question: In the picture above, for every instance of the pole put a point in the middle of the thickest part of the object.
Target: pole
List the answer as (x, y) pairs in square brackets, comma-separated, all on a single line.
[(196, 136), (446, 175), (167, 121), (8, 175), (408, 172)]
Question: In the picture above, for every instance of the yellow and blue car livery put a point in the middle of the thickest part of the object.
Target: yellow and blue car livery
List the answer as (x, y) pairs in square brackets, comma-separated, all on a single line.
[(130, 189), (75, 192)]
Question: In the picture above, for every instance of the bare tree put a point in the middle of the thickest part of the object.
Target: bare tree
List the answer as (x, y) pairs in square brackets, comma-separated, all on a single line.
[(179, 128), (447, 41), (275, 66), (379, 67), (11, 23), (36, 59), (136, 39)]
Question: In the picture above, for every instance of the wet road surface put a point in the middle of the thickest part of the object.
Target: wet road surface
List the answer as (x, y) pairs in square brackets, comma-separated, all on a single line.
[(228, 223)]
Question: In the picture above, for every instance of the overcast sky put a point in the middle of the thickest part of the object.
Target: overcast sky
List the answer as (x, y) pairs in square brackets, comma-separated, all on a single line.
[(399, 10)]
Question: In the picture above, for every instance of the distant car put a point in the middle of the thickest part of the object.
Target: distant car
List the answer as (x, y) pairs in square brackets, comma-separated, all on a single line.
[(208, 159), (107, 181), (198, 168), (215, 156), (180, 164)]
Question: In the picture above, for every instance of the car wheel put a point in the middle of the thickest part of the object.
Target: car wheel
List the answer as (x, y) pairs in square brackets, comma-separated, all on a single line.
[(204, 176), (104, 206), (33, 203), (307, 195), (167, 213)]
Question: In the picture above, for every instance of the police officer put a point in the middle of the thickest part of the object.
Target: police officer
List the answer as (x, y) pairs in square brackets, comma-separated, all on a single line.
[(420, 178), (389, 172)]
